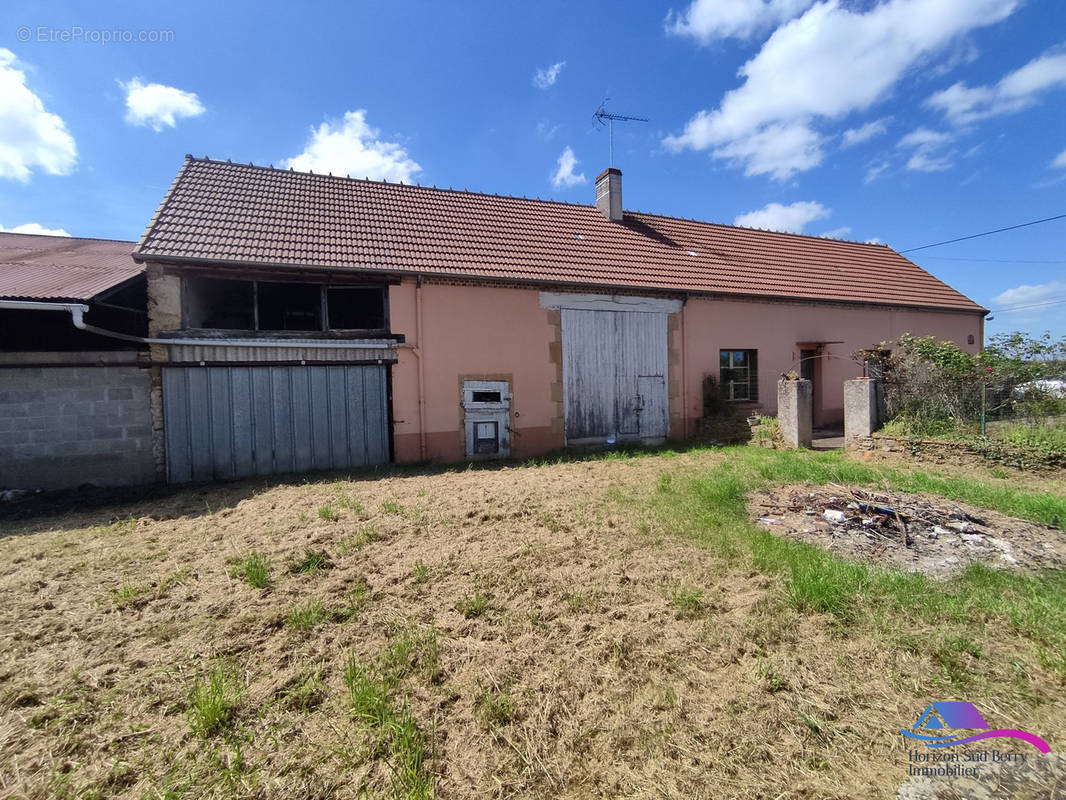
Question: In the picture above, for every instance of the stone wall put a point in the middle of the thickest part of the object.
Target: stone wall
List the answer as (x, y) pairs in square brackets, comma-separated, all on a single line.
[(964, 452), (64, 425), (933, 450), (723, 429)]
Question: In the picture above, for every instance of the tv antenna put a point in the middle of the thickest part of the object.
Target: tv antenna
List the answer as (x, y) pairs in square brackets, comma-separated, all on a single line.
[(604, 117)]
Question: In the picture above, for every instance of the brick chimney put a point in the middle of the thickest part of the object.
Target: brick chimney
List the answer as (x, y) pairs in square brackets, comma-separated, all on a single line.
[(609, 194)]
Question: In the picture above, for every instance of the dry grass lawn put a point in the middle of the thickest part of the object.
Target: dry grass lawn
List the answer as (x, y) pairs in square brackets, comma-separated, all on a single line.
[(527, 631)]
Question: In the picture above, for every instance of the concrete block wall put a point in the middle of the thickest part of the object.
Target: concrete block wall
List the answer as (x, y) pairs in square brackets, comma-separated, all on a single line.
[(64, 426)]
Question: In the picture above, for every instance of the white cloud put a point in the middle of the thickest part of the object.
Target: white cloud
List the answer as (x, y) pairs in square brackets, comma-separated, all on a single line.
[(930, 154), (833, 60), (1028, 294), (546, 130), (854, 136), (1017, 90), (546, 78), (836, 233), (34, 227), (564, 170), (927, 161), (775, 150), (873, 240), (709, 20), (790, 219), (874, 171), (923, 137), (1059, 161), (352, 147), (158, 106), (30, 137), (965, 53)]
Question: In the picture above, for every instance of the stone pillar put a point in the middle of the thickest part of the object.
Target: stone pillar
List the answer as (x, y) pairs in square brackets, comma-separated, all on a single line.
[(862, 404), (794, 411)]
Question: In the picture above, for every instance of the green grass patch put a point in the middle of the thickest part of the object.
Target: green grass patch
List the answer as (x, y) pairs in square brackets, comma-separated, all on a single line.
[(311, 561), (710, 507), (304, 616), (411, 651), (213, 702), (136, 595), (327, 513), (687, 602), (577, 601), (128, 594), (495, 708), (473, 605), (254, 569), (354, 542), (393, 728), (420, 573), (352, 504), (305, 693)]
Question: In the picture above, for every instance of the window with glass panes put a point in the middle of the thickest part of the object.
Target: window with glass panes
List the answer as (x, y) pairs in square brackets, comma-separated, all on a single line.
[(737, 379)]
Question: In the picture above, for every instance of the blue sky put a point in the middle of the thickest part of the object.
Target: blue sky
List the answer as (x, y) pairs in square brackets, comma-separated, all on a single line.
[(906, 121)]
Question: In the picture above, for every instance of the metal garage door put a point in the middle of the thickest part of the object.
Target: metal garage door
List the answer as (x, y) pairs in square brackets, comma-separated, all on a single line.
[(231, 422), (614, 374)]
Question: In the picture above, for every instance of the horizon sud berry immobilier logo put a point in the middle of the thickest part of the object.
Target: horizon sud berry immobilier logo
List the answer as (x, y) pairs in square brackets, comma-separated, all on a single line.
[(948, 723)]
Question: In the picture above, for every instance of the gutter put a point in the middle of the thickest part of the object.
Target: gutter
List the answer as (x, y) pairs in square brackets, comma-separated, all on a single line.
[(78, 310)]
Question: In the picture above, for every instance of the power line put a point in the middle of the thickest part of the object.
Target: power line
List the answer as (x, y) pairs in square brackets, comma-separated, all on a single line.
[(1008, 309), (984, 233), (1000, 260)]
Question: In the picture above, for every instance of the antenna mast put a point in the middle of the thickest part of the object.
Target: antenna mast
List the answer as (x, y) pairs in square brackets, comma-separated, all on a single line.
[(604, 117)]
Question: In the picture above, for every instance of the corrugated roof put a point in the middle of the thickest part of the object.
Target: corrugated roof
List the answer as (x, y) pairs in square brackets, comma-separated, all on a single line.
[(224, 212), (34, 267)]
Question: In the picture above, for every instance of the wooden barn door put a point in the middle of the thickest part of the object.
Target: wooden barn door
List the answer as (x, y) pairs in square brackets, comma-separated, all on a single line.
[(614, 375)]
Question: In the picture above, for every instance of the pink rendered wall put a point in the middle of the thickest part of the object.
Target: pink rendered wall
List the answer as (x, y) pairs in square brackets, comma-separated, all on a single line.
[(775, 329), (472, 331), (484, 331)]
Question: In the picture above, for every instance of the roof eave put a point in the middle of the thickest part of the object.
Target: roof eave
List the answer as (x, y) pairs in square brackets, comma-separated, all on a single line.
[(147, 257)]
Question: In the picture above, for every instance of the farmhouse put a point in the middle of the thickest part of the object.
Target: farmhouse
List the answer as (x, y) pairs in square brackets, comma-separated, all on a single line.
[(300, 321)]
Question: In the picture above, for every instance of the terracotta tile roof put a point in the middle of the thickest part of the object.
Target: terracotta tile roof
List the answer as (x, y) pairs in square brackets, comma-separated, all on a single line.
[(223, 212), (36, 267)]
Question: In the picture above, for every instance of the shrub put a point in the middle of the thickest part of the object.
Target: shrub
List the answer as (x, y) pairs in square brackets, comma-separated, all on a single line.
[(932, 385)]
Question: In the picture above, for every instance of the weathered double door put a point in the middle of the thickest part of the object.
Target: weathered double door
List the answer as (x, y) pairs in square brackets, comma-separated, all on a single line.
[(614, 375)]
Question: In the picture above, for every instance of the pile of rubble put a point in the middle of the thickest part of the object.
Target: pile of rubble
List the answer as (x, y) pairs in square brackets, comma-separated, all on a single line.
[(918, 532)]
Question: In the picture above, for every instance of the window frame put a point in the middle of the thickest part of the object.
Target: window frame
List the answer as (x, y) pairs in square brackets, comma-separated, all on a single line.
[(728, 388), (323, 308)]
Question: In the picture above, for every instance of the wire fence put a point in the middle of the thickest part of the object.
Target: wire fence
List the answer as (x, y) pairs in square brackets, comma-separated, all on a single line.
[(934, 388)]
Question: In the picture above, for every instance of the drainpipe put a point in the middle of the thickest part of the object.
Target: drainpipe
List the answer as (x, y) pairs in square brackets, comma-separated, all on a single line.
[(413, 347), (416, 350), (421, 371), (684, 373)]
